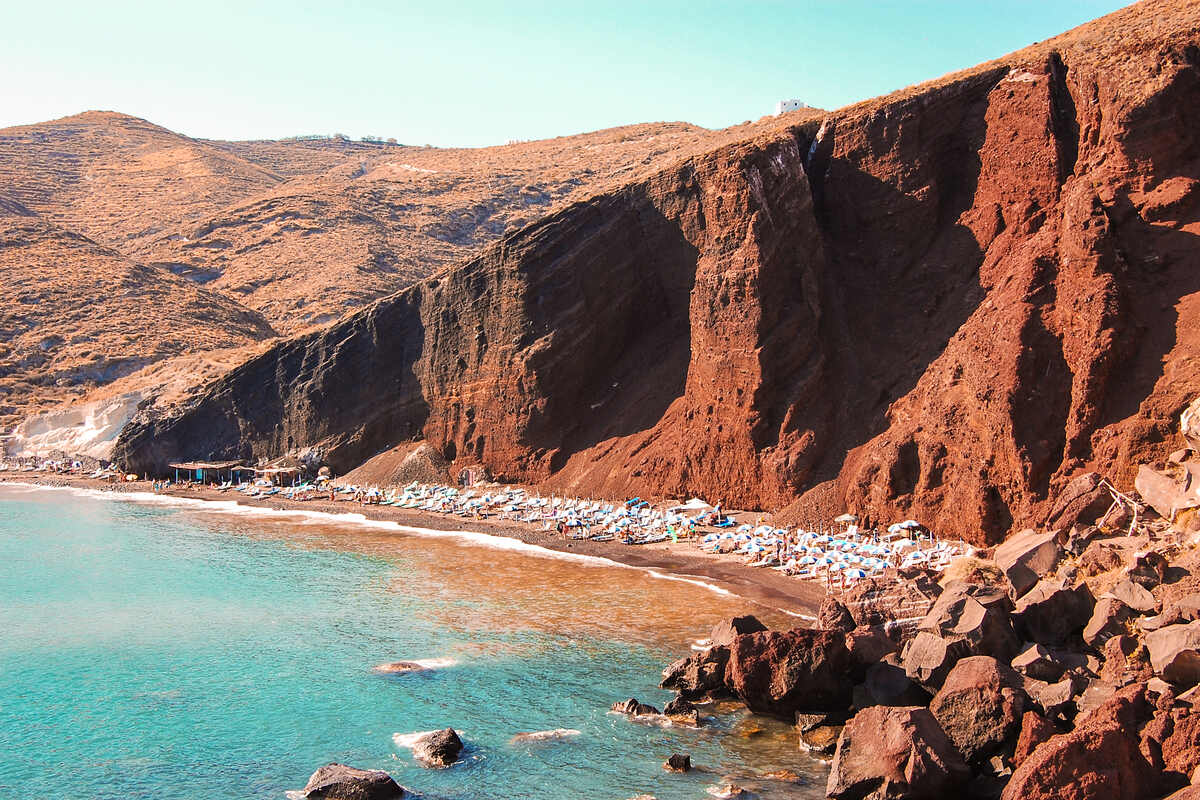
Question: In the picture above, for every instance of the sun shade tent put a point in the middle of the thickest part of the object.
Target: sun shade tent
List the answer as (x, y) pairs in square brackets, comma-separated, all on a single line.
[(202, 470)]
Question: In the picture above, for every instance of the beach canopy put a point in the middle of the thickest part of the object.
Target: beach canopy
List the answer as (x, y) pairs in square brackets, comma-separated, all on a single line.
[(846, 518), (695, 504), (190, 465)]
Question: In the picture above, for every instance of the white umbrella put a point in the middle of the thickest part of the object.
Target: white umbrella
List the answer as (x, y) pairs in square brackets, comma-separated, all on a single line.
[(847, 518)]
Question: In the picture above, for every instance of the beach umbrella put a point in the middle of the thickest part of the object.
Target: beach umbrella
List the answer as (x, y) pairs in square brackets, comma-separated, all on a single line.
[(855, 573), (807, 560), (846, 518)]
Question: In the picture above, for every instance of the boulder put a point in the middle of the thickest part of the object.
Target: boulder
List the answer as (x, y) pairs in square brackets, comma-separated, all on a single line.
[(886, 684), (833, 616), (633, 708), (974, 615), (868, 646), (1165, 492), (1052, 613), (699, 675), (1100, 760), (1175, 653), (340, 782), (1082, 501), (1099, 558), (1054, 699), (1134, 595), (1191, 792), (438, 749), (895, 752), (678, 762), (725, 631), (1028, 557), (806, 721), (1035, 729), (1080, 537), (781, 672), (928, 659), (1037, 661), (980, 706), (1109, 618)]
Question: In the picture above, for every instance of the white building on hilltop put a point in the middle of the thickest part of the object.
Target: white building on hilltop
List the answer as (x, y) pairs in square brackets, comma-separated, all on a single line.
[(784, 106)]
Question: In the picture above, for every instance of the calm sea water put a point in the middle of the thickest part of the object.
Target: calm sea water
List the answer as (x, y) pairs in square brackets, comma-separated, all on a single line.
[(158, 651)]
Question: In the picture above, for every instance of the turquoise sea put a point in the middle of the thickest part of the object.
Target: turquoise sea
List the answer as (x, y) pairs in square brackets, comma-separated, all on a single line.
[(164, 650)]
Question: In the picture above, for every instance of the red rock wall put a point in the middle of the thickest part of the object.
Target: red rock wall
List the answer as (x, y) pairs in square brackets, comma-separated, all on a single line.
[(942, 305)]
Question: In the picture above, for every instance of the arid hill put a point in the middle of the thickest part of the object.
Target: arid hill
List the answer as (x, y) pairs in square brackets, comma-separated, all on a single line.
[(281, 235), (74, 314), (943, 303)]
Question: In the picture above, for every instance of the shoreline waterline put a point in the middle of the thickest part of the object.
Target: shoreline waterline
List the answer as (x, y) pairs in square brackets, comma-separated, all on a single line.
[(677, 562)]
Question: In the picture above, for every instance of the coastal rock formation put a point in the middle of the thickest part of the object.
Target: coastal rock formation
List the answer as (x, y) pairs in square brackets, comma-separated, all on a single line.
[(340, 782), (980, 706), (781, 672), (706, 315), (700, 675), (889, 753)]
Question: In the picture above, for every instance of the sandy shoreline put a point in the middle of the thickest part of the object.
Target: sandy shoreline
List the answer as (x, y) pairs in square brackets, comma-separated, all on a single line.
[(758, 585)]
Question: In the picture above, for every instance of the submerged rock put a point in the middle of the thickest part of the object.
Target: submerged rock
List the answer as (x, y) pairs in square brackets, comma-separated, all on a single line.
[(633, 708), (678, 762), (340, 782)]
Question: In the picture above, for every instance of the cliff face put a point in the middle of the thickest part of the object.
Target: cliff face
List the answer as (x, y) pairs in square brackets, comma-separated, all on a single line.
[(943, 304)]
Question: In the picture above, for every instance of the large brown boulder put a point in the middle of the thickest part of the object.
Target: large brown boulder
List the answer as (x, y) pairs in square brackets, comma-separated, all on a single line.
[(725, 631), (1052, 612), (1038, 662), (1175, 653), (1082, 501), (1100, 760), (975, 615), (980, 706), (781, 672), (1134, 595), (888, 753), (868, 646), (834, 616), (1054, 699), (699, 675), (1028, 557), (340, 782)]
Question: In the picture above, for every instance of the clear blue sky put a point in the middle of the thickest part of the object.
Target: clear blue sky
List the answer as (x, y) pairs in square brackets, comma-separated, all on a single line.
[(476, 73)]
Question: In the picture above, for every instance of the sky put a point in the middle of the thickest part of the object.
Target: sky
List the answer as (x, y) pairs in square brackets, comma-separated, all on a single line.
[(477, 73)]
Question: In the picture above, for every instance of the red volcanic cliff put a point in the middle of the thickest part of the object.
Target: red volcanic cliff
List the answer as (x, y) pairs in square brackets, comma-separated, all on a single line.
[(943, 304)]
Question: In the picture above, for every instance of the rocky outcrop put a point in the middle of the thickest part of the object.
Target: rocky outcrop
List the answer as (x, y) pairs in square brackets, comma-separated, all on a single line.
[(980, 706), (898, 752), (1024, 223), (340, 782), (781, 672), (725, 631), (700, 675)]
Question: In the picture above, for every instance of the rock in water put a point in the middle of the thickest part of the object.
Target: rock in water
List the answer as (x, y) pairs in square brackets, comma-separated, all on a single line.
[(678, 762), (895, 752), (438, 749), (779, 673), (340, 782), (398, 667), (699, 675), (635, 709)]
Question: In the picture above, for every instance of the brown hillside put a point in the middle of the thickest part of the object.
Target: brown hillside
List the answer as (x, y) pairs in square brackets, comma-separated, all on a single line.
[(943, 303), (74, 314)]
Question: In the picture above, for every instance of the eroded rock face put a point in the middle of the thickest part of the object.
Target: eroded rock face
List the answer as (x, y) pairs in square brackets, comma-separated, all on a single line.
[(1100, 760), (781, 672), (1009, 218), (340, 782), (895, 752)]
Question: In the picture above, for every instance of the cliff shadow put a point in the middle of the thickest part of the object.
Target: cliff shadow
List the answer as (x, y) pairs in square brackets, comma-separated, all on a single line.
[(618, 303)]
